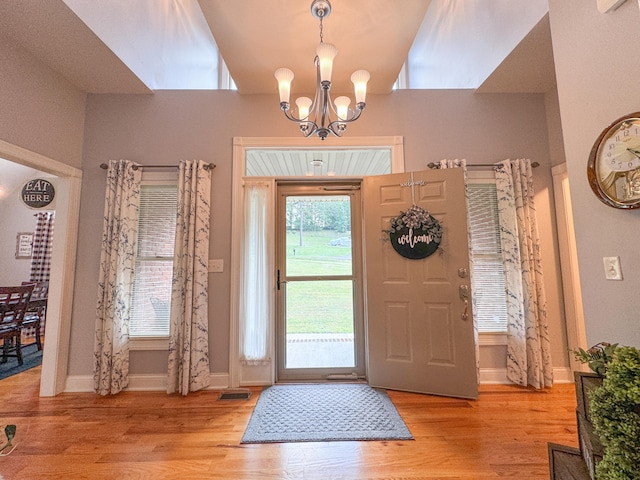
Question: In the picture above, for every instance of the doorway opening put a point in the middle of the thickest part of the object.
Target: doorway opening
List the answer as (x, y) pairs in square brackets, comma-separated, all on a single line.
[(63, 255), (319, 308)]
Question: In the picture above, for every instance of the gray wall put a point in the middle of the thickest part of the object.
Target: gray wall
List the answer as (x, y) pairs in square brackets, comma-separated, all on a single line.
[(15, 217), (598, 72), (39, 109), (45, 114), (172, 125)]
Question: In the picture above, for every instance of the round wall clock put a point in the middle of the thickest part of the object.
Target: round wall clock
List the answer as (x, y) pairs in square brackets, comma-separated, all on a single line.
[(613, 168)]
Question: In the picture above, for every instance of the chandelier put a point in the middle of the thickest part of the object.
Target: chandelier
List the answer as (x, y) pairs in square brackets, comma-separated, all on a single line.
[(320, 116)]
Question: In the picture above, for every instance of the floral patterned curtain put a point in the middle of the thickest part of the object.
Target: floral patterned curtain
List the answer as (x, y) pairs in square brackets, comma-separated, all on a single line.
[(462, 163), (188, 368), (528, 345), (117, 260)]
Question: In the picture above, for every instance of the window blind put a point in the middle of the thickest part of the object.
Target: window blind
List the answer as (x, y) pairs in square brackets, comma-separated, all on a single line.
[(151, 298), (490, 302)]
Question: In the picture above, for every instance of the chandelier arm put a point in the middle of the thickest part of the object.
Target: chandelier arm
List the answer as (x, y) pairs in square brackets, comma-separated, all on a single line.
[(307, 127), (356, 115)]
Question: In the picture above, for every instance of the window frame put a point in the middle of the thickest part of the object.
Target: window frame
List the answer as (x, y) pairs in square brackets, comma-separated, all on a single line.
[(154, 342)]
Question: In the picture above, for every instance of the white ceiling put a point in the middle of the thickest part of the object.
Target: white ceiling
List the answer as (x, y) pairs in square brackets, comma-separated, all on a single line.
[(137, 46), (463, 42), (256, 38), (326, 162)]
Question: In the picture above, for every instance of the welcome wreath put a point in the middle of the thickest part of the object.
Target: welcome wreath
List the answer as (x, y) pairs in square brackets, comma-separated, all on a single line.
[(415, 234)]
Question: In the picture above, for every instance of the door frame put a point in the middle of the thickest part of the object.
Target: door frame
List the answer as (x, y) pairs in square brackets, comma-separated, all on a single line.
[(63, 263), (323, 186), (574, 314), (245, 375)]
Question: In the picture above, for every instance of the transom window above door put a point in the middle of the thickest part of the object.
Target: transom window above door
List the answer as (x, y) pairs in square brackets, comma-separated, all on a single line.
[(317, 162)]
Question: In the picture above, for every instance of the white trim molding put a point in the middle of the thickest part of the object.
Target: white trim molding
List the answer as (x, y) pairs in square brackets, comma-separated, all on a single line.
[(605, 6), (156, 382), (498, 376), (149, 343), (492, 338)]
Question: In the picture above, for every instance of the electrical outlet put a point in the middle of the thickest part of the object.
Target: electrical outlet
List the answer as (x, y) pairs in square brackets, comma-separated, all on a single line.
[(216, 265), (612, 270)]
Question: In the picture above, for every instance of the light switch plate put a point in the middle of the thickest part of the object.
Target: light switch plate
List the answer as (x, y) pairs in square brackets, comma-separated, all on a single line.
[(612, 270), (216, 265), (605, 6)]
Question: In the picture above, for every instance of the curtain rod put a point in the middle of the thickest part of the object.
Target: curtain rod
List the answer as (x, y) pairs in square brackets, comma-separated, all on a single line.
[(436, 165), (209, 166)]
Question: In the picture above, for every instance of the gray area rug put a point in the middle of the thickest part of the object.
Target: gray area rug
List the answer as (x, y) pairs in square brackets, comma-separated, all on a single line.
[(31, 357), (325, 412)]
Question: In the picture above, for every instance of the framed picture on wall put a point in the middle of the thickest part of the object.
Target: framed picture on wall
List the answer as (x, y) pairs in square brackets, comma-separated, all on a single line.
[(24, 245)]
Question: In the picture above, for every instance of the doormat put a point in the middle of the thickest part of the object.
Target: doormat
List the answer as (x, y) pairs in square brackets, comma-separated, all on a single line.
[(323, 413)]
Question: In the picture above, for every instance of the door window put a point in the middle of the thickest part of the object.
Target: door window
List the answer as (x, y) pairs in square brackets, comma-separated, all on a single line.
[(318, 315)]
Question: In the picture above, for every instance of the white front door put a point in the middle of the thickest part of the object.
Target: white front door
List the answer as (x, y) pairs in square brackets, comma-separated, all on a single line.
[(419, 320)]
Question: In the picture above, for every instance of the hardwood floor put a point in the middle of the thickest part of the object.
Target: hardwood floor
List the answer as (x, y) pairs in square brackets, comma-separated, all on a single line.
[(158, 436)]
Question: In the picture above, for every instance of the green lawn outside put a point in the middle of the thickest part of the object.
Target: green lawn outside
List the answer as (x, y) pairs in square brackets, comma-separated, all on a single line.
[(319, 306)]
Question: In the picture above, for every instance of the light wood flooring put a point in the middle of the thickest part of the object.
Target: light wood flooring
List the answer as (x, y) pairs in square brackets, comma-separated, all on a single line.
[(159, 436)]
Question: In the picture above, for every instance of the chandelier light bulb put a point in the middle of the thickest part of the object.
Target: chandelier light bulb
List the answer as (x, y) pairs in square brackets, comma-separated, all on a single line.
[(284, 77), (326, 53), (342, 107), (303, 103), (360, 79)]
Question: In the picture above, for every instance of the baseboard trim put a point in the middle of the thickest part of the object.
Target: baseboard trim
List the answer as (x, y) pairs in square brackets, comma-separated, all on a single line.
[(498, 376), (562, 375), (220, 381), (141, 383)]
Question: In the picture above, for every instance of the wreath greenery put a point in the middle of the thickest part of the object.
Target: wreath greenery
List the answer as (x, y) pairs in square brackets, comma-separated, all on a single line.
[(418, 219)]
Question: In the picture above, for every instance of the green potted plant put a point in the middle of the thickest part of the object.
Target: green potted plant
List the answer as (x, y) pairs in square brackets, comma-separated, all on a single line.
[(597, 357), (615, 413)]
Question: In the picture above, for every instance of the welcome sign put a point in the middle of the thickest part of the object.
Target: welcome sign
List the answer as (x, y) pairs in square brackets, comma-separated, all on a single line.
[(415, 234)]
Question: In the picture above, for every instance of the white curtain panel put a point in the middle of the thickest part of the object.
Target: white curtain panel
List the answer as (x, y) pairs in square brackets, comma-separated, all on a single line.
[(115, 284), (528, 345), (462, 163), (256, 285), (188, 367)]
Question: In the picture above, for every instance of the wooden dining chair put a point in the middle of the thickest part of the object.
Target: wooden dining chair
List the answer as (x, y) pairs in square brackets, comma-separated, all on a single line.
[(34, 318), (13, 306)]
